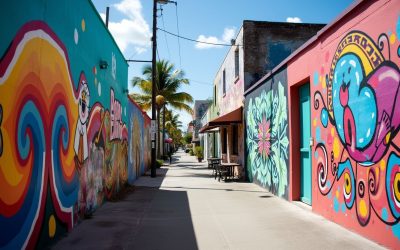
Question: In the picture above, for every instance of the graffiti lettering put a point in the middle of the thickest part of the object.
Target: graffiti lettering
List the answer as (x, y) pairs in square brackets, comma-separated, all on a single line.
[(116, 120)]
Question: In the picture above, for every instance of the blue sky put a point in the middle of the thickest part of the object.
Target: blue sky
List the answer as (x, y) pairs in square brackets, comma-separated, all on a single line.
[(206, 20)]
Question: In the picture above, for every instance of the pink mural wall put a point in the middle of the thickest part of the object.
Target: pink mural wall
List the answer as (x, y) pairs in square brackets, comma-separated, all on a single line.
[(353, 71), (233, 98)]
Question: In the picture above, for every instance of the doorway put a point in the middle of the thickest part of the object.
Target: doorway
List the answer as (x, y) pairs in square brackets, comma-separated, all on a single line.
[(305, 151)]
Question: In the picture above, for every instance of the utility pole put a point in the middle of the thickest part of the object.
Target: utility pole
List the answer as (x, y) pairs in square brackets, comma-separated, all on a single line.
[(153, 93)]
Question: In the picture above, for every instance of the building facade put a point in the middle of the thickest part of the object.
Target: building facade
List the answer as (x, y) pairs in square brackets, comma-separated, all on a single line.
[(258, 47), (322, 127), (199, 109), (69, 137)]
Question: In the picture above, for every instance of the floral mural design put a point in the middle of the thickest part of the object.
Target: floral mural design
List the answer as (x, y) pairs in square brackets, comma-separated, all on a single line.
[(264, 137), (267, 139)]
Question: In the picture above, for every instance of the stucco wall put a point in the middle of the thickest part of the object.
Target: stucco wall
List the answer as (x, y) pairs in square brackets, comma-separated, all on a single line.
[(139, 142), (355, 86), (267, 135), (63, 119), (233, 97)]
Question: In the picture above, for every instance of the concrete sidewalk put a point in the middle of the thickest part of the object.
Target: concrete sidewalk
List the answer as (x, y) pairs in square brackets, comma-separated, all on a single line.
[(185, 208)]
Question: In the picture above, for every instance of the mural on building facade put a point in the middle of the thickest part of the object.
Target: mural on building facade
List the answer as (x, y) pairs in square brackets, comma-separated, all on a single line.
[(137, 145), (357, 151), (267, 142), (59, 150), (232, 99)]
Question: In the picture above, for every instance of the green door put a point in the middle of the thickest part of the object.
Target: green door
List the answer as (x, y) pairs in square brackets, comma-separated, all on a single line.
[(305, 131)]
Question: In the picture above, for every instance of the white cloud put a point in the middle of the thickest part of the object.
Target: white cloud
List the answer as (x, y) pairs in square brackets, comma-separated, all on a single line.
[(229, 33), (132, 30), (293, 20)]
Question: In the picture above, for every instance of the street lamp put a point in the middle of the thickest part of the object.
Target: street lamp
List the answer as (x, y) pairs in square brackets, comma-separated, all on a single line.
[(153, 90)]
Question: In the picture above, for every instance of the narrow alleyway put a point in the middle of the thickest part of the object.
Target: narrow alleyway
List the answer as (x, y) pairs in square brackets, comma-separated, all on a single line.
[(185, 208)]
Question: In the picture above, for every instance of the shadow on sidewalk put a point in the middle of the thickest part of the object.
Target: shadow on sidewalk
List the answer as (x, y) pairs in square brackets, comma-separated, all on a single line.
[(148, 218), (147, 181)]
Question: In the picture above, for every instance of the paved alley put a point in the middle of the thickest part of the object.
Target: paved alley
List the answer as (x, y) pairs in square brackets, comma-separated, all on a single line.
[(185, 208)]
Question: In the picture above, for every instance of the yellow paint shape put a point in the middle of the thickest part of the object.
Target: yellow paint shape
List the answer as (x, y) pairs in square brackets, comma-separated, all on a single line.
[(387, 138), (336, 147), (392, 38), (396, 186), (315, 122), (83, 24), (337, 194), (362, 208), (332, 131), (320, 79), (382, 165), (52, 226), (347, 183), (40, 60), (323, 83)]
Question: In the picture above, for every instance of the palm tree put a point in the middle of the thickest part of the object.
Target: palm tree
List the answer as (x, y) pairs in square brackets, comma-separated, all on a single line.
[(172, 121), (168, 83), (172, 125)]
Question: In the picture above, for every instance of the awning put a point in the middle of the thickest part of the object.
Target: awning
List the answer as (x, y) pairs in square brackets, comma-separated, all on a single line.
[(233, 117)]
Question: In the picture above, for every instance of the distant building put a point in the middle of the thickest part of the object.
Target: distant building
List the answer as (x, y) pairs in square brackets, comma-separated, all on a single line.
[(199, 109), (257, 49)]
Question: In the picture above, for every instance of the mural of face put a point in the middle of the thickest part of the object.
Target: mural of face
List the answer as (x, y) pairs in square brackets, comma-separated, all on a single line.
[(84, 97), (364, 93), (81, 140), (361, 121)]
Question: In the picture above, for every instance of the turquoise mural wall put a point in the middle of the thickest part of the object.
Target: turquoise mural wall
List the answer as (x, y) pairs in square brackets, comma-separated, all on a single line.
[(63, 119)]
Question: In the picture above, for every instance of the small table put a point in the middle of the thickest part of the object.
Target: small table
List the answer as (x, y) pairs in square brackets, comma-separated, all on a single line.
[(230, 169)]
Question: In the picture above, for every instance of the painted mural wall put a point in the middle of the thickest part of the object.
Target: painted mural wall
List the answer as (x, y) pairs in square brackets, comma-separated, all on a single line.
[(63, 120), (355, 88), (267, 135), (139, 138)]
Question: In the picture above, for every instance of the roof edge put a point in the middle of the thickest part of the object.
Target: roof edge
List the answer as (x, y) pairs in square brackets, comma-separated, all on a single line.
[(307, 44)]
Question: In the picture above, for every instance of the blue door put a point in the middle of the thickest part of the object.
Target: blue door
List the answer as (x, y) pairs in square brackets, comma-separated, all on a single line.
[(305, 151)]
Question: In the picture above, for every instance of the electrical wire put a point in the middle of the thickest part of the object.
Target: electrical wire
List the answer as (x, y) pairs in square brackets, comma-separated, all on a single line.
[(165, 36), (197, 41), (158, 54), (177, 28)]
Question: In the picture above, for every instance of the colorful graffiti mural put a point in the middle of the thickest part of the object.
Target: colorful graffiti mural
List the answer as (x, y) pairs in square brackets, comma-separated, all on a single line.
[(63, 143), (267, 135), (139, 150), (357, 152)]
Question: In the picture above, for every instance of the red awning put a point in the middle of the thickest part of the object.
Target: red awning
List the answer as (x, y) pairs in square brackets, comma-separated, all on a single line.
[(232, 117)]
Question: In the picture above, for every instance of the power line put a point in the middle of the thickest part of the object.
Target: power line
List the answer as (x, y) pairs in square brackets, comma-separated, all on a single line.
[(158, 54), (165, 36), (197, 41), (177, 28)]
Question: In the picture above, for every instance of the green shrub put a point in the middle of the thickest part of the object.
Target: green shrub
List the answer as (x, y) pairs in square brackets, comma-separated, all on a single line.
[(191, 152), (198, 151), (159, 163)]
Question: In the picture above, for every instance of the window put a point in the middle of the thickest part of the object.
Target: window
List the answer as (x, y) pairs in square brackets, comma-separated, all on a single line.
[(237, 63), (223, 83), (235, 140), (224, 140), (215, 95)]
